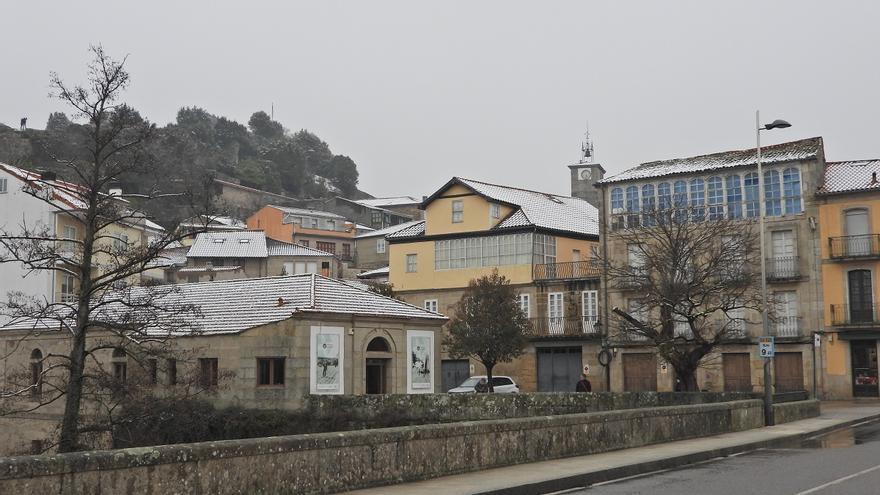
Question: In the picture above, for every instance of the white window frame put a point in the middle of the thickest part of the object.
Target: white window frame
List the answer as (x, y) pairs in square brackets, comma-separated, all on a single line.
[(556, 313), (457, 211), (412, 263), (380, 245), (4, 185), (68, 282), (431, 305), (525, 305), (494, 210), (589, 310)]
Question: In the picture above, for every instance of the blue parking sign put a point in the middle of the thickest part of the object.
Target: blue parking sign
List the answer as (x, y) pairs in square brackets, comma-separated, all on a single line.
[(766, 347)]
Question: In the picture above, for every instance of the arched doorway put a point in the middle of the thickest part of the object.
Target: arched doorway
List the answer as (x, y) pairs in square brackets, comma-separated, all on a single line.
[(378, 366)]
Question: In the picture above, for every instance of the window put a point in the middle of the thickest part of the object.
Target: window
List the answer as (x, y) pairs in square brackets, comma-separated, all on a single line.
[(331, 224), (734, 197), (664, 196), (545, 249), (152, 371), (304, 242), (698, 199), (750, 184), (68, 288), (617, 208), (772, 194), (524, 306), (171, 371), (412, 263), (314, 223), (736, 326), (346, 249), (555, 314), (791, 190), (217, 261), (639, 311), (68, 232), (512, 249), (457, 211), (380, 245), (36, 373), (376, 218), (208, 372), (270, 371), (287, 268), (716, 198), (120, 242), (431, 305), (327, 247), (680, 200), (635, 256), (648, 204), (786, 314), (590, 309), (120, 366), (632, 206), (495, 210), (3, 185), (784, 263)]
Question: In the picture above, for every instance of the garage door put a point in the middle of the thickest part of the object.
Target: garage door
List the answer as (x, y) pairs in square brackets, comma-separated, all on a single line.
[(639, 372), (737, 372), (559, 368), (454, 372), (789, 369)]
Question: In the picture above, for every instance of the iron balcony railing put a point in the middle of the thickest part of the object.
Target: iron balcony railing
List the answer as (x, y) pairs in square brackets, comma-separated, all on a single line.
[(567, 270), (786, 326), (851, 314), (783, 268), (855, 246), (567, 326)]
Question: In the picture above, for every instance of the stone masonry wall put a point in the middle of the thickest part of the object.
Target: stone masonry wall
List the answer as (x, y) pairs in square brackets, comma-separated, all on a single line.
[(331, 462)]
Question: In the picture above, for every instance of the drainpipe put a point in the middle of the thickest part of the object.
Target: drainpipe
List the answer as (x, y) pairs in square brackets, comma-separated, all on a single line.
[(603, 232)]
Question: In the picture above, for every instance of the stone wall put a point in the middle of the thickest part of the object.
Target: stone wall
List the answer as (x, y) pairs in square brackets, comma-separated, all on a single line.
[(331, 462), (795, 411)]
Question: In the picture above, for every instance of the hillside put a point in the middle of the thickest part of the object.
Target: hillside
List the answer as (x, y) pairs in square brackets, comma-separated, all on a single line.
[(262, 155)]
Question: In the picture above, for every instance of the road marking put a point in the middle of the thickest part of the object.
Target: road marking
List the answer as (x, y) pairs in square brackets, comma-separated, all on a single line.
[(838, 481)]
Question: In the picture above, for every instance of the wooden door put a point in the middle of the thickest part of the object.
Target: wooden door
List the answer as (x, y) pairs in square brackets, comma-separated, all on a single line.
[(737, 372), (789, 369), (559, 368), (639, 372)]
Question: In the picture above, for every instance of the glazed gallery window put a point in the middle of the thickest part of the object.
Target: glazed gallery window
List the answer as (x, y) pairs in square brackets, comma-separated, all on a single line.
[(457, 211), (713, 198), (511, 249), (270, 371)]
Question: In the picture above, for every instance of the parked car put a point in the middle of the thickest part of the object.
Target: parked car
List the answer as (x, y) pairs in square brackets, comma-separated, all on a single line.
[(502, 384)]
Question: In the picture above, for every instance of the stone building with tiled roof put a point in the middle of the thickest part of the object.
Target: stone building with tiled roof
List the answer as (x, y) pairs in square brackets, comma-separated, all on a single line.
[(706, 188), (543, 243)]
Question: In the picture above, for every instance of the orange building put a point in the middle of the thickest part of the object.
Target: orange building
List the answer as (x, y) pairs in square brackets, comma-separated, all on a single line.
[(321, 230)]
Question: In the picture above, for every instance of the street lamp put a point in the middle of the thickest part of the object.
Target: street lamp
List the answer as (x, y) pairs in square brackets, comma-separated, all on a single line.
[(768, 392)]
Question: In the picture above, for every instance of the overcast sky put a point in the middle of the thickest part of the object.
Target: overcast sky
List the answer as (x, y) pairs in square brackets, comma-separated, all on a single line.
[(416, 92)]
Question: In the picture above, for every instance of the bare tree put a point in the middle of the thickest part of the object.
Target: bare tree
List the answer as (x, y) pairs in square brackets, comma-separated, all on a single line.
[(692, 281), (104, 311)]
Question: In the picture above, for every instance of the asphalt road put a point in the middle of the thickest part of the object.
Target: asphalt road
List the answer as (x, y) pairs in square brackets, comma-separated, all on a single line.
[(841, 462)]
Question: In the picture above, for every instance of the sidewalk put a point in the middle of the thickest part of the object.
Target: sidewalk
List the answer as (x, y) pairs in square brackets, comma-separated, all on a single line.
[(572, 472)]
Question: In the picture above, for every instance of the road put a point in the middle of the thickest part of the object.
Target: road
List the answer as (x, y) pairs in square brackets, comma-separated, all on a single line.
[(842, 462)]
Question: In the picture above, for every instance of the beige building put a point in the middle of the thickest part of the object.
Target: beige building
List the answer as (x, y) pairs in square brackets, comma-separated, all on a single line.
[(244, 254), (262, 343), (543, 243), (725, 185), (371, 248)]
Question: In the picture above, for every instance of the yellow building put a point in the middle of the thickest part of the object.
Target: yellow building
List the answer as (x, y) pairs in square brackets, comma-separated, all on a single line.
[(543, 243), (849, 222)]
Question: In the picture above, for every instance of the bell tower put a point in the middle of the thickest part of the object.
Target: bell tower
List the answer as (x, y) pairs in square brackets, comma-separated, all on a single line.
[(585, 173)]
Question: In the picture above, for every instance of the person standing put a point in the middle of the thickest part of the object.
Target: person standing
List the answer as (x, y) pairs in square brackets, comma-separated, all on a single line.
[(583, 385)]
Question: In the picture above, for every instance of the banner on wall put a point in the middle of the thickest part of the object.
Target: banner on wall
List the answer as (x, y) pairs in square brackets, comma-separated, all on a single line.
[(327, 360), (420, 352)]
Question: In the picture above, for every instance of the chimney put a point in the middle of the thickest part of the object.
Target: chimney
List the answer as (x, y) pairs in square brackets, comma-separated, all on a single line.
[(47, 175), (115, 189), (873, 178)]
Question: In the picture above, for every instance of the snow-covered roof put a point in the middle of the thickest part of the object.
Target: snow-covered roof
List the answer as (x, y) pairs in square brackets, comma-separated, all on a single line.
[(378, 272), (62, 192), (214, 223), (206, 269), (414, 230), (232, 306), (171, 256), (151, 225), (278, 248), (234, 244), (531, 208), (856, 175), (387, 230), (307, 212), (804, 149), (393, 201)]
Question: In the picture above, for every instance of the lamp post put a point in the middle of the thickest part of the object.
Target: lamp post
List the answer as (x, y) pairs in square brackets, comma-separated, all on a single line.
[(768, 390)]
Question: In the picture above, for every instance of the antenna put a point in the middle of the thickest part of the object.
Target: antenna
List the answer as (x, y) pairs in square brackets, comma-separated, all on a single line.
[(273, 110), (587, 147)]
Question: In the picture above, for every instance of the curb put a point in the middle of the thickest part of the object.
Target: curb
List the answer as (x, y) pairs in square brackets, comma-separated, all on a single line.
[(586, 479)]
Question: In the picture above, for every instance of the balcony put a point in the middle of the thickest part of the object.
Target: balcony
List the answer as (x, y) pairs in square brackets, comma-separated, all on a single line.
[(854, 246), (571, 327), (847, 315), (786, 326), (783, 269), (571, 270)]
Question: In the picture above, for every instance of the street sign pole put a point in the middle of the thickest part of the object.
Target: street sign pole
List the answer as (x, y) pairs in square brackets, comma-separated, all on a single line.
[(767, 349)]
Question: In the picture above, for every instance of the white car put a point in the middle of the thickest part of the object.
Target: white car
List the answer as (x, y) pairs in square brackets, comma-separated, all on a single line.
[(502, 384)]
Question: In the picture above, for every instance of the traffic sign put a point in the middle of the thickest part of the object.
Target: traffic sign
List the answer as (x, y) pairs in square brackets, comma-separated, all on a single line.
[(817, 340), (766, 347), (586, 369)]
